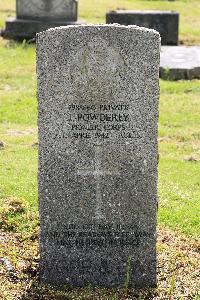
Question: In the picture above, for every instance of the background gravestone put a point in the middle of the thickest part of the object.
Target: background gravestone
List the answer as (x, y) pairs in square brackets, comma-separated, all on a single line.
[(165, 22), (98, 97), (34, 16), (178, 63)]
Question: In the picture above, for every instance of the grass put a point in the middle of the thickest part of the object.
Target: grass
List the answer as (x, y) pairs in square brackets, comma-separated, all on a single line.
[(18, 131), (179, 139), (94, 11), (179, 178)]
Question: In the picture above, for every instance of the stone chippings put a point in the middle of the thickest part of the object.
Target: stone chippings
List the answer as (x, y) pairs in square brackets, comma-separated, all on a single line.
[(98, 186)]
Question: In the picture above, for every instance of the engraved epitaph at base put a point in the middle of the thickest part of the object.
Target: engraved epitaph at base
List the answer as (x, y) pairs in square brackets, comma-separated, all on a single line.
[(20, 29)]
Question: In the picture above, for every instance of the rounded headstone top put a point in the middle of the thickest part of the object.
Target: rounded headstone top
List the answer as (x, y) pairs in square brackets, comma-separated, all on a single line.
[(90, 27)]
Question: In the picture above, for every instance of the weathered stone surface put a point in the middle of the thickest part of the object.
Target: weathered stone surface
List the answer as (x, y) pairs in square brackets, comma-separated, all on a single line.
[(34, 16), (56, 10), (165, 22), (180, 62), (98, 97)]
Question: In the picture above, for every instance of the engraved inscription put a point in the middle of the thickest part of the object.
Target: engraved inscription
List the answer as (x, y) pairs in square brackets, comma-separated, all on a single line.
[(101, 235), (99, 121)]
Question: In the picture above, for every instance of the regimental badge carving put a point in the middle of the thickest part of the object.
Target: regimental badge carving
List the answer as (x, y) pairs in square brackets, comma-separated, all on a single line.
[(95, 65)]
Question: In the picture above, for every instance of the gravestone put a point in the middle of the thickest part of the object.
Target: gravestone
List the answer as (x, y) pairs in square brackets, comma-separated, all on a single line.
[(98, 91), (34, 16), (165, 22), (179, 63)]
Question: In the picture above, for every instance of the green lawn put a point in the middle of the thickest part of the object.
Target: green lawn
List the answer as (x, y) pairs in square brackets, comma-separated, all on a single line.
[(179, 124), (179, 168)]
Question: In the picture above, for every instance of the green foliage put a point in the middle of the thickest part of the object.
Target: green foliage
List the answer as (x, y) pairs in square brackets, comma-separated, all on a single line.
[(167, 74), (128, 274), (16, 216)]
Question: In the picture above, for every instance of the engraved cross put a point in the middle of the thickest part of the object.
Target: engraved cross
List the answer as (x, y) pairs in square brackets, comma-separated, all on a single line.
[(98, 172)]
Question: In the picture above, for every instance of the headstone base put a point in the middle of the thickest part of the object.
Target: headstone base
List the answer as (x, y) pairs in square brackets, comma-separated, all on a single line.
[(20, 29)]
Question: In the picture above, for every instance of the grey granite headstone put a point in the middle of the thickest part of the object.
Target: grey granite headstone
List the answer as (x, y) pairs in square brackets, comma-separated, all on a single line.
[(98, 92), (34, 16), (165, 22)]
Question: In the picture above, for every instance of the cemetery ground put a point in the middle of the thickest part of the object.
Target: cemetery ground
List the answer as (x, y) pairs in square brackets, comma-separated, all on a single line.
[(179, 176)]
